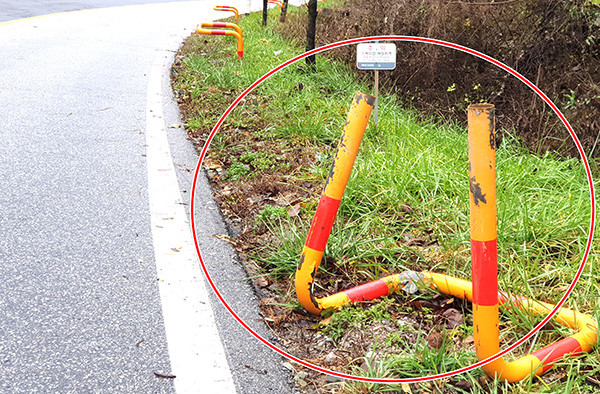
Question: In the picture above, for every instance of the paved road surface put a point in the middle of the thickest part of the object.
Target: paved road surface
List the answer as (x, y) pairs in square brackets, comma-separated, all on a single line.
[(101, 290), (10, 9)]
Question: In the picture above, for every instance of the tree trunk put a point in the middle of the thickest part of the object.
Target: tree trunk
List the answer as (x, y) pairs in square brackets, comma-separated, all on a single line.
[(311, 31), (265, 4), (283, 11)]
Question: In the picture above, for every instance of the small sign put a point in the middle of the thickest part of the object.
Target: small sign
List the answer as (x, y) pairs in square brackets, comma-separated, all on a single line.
[(376, 56)]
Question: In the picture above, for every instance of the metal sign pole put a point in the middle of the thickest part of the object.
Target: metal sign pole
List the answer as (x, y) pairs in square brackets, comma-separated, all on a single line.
[(376, 56), (376, 118)]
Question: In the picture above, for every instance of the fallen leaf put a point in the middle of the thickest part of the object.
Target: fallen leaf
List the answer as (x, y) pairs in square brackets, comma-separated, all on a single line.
[(294, 210), (462, 384), (435, 340), (448, 302), (262, 282), (213, 165), (301, 375), (417, 241), (453, 318), (301, 382), (331, 358)]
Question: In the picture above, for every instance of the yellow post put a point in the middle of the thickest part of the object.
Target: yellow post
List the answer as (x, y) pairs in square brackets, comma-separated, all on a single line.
[(484, 262), (358, 117), (237, 34), (278, 2), (228, 8)]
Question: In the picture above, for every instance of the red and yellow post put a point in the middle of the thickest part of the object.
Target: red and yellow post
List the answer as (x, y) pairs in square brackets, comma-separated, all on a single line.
[(484, 260), (228, 8), (278, 2), (484, 267), (237, 33), (358, 117)]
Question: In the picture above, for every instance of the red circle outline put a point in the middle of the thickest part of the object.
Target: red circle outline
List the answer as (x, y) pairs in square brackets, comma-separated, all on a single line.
[(427, 41)]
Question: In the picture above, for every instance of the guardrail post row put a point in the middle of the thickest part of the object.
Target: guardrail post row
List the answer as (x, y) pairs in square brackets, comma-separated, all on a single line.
[(237, 33), (228, 8), (482, 292)]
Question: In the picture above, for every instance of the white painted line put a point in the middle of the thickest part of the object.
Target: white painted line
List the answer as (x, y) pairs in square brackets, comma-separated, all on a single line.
[(195, 349)]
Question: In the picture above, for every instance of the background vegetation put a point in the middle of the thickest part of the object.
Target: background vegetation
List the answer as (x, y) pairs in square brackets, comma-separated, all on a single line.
[(406, 206), (553, 43)]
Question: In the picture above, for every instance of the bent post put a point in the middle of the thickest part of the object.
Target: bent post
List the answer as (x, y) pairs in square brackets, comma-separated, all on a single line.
[(487, 343), (358, 117), (237, 33), (278, 2), (228, 8), (225, 25)]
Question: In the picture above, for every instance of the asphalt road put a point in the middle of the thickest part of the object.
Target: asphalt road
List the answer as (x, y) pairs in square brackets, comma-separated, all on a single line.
[(101, 290), (11, 10)]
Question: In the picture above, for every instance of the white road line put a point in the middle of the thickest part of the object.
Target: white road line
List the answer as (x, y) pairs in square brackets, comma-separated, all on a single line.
[(195, 349)]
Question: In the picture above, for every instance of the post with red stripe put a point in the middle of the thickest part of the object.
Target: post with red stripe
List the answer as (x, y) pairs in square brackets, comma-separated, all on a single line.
[(358, 118), (201, 29), (228, 8), (484, 260)]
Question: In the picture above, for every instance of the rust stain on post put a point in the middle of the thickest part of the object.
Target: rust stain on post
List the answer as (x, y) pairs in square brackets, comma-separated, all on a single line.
[(302, 257), (475, 189), (492, 118), (331, 174), (367, 97)]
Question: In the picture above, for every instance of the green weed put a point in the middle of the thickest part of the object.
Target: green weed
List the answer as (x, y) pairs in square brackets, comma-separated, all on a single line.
[(272, 213), (260, 161), (237, 171), (354, 315)]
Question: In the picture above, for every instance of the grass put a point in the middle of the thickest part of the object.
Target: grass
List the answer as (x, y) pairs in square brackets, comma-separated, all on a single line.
[(406, 205)]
